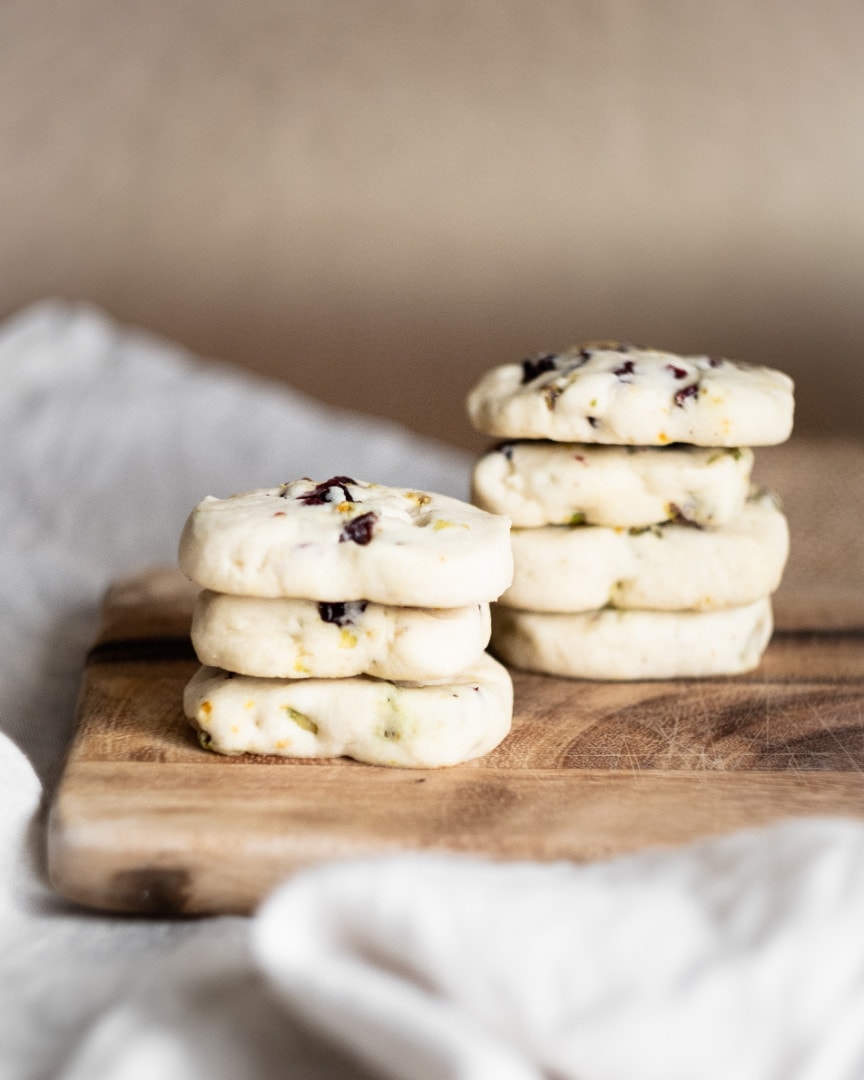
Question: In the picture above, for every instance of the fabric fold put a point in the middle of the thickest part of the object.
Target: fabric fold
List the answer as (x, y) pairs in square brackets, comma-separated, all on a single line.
[(739, 956)]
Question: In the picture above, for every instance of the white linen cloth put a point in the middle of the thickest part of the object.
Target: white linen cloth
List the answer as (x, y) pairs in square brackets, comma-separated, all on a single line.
[(738, 957)]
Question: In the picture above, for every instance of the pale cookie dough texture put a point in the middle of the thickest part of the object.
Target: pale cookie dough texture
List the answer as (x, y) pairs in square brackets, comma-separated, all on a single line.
[(619, 645), (629, 396), (345, 540), (546, 483), (668, 567), (371, 720), (288, 638)]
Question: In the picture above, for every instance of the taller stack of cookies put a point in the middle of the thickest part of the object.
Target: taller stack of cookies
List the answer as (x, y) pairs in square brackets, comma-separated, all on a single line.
[(347, 618), (641, 548)]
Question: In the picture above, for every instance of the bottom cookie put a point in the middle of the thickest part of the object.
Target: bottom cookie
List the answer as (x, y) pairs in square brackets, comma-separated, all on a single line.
[(612, 644), (409, 725)]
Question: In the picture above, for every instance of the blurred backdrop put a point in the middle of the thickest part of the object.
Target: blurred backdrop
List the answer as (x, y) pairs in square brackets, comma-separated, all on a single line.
[(375, 201)]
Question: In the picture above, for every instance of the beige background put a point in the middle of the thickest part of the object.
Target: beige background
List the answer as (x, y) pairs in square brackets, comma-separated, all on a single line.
[(377, 200)]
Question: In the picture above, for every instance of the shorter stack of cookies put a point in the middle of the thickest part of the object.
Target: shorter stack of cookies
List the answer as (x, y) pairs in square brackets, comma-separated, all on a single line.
[(347, 618), (641, 548)]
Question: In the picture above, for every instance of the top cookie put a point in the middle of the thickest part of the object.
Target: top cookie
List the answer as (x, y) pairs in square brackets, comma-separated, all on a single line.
[(629, 396), (345, 540)]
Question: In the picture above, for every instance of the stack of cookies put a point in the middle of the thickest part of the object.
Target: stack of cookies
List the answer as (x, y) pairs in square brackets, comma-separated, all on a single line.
[(347, 618), (641, 548)]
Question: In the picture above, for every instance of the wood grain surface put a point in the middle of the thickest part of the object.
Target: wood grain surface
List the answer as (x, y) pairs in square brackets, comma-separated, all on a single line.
[(144, 820)]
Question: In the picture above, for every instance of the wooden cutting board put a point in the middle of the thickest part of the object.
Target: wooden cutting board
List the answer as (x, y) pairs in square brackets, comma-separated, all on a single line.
[(144, 820)]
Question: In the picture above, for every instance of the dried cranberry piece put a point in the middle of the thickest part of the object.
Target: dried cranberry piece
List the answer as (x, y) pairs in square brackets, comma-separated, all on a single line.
[(678, 372), (535, 366), (321, 493), (686, 392), (342, 614), (714, 361), (627, 368), (359, 529)]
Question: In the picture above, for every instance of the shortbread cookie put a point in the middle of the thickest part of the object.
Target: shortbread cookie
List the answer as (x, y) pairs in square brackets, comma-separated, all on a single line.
[(630, 396), (612, 644), (547, 483), (371, 720), (668, 567), (344, 540), (306, 638)]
